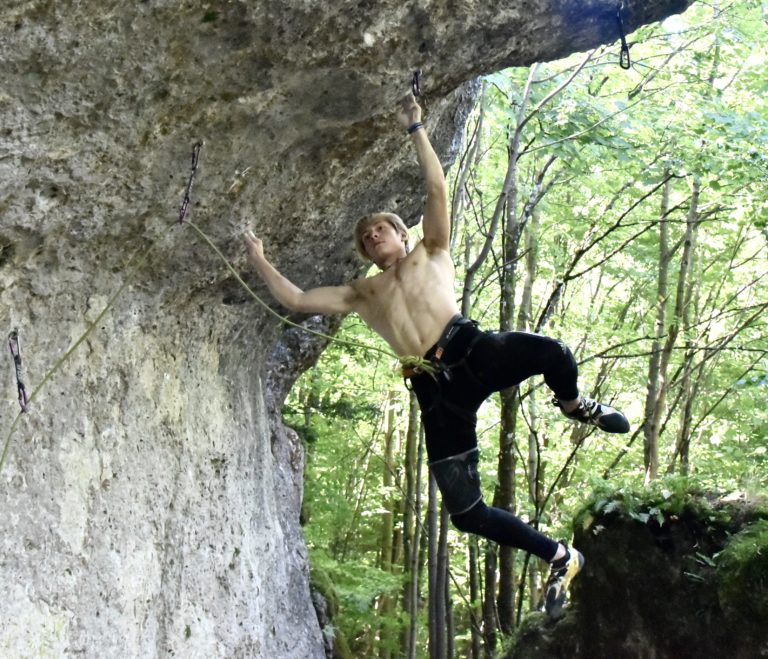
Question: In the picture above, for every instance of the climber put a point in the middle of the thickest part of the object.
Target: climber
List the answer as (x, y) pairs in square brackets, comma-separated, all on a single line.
[(411, 305)]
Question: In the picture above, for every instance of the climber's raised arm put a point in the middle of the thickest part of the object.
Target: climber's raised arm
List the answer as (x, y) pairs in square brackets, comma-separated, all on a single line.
[(436, 222), (325, 299)]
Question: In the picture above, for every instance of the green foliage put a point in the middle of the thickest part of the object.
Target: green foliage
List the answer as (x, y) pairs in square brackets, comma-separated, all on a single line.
[(356, 587), (321, 581), (742, 570), (671, 496), (694, 109)]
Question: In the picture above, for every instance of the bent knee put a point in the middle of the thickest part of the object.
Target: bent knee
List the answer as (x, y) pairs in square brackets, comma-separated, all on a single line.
[(473, 520)]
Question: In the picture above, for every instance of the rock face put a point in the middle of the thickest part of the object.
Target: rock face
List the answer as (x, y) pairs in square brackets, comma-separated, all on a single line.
[(670, 578), (150, 501)]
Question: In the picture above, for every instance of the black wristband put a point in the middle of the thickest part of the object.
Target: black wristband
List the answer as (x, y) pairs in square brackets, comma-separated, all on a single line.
[(412, 129)]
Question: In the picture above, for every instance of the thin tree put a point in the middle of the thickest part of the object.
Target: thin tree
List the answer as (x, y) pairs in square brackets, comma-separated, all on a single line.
[(652, 413), (688, 242)]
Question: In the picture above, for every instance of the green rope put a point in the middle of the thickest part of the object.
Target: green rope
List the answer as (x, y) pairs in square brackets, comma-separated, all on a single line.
[(405, 361), (65, 357), (418, 364)]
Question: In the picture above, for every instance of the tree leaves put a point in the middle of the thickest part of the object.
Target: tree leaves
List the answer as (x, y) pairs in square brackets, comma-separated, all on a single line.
[(591, 164)]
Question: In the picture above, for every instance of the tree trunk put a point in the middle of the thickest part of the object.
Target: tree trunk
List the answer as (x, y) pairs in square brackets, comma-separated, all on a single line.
[(450, 626), (436, 592), (651, 417), (411, 527), (469, 162), (476, 612), (683, 442), (504, 497), (388, 470), (357, 489), (386, 602), (524, 320), (442, 586), (652, 462), (490, 616), (687, 384)]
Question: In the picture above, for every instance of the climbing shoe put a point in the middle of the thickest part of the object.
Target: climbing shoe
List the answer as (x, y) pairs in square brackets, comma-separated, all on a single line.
[(596, 414), (561, 573)]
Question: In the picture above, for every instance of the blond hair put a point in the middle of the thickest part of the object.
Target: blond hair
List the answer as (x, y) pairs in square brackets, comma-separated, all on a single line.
[(367, 221)]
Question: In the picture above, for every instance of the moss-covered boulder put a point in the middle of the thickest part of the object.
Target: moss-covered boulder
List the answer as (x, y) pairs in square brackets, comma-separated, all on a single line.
[(670, 574)]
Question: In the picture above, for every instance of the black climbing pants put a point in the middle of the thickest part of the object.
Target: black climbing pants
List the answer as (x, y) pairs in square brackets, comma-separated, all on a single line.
[(473, 365)]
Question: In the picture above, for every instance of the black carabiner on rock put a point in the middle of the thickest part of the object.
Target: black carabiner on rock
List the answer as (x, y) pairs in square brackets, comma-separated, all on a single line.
[(416, 83), (15, 348), (184, 210), (624, 60)]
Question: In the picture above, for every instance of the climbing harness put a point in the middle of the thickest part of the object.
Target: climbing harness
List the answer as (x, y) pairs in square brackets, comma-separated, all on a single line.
[(435, 394), (416, 83), (184, 210), (15, 348), (624, 60), (433, 364), (450, 331)]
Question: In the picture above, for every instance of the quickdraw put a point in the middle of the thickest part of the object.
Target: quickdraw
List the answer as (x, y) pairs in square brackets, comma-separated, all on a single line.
[(184, 210), (416, 83), (624, 60), (15, 348)]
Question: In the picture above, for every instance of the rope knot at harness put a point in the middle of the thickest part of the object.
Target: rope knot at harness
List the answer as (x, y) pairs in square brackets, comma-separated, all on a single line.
[(415, 365)]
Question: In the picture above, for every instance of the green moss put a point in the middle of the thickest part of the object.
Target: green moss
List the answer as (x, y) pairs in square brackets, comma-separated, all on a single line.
[(742, 571), (669, 498), (321, 581), (537, 637)]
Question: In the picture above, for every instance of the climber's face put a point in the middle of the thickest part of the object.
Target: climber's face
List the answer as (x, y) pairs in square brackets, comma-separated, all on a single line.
[(367, 224), (383, 243)]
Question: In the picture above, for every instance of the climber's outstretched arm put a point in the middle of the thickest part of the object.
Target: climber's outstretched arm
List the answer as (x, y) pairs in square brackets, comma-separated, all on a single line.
[(437, 223), (325, 299)]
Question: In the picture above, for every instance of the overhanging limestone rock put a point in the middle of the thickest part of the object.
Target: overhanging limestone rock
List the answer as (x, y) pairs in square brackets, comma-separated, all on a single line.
[(144, 513)]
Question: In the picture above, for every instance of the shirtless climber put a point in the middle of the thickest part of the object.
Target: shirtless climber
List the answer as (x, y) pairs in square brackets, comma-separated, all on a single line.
[(411, 304)]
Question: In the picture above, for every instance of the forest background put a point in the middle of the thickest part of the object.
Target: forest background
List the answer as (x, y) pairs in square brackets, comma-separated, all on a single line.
[(622, 211)]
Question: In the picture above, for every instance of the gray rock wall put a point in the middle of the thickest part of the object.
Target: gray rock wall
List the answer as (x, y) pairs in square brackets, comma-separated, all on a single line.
[(150, 504)]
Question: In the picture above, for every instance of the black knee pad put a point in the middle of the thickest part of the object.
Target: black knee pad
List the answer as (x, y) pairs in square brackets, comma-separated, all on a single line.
[(458, 480)]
